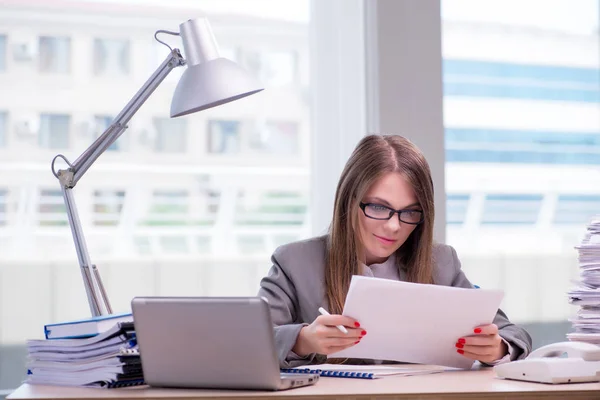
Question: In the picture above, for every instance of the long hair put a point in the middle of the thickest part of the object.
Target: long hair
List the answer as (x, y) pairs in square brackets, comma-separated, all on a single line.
[(373, 157)]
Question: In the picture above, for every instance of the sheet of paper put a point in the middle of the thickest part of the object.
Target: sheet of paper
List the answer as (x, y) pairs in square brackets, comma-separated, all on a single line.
[(416, 323)]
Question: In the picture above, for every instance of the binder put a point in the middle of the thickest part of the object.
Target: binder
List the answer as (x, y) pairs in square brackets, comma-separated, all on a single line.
[(84, 328), (330, 373), (364, 371)]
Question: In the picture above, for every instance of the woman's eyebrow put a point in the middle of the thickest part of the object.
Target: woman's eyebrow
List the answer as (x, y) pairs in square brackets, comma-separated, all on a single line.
[(381, 201), (385, 202)]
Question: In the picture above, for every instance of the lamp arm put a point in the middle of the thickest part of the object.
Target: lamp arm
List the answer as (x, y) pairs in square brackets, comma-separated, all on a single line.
[(97, 298), (119, 124)]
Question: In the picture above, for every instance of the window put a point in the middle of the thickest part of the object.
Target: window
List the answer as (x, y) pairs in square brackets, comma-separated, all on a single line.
[(101, 124), (55, 54), (576, 209), (107, 207), (522, 146), (279, 68), (171, 135), (2, 53), (111, 57), (223, 137), (522, 130), (277, 137), (3, 129), (492, 79), (512, 209), (156, 198), (54, 131), (271, 208), (169, 208), (273, 68), (3, 207), (456, 208), (51, 209)]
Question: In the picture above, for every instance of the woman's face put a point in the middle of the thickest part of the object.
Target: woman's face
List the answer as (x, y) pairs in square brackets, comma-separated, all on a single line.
[(381, 238)]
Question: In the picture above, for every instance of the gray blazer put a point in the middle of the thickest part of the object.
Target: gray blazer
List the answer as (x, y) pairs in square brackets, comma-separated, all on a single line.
[(295, 290)]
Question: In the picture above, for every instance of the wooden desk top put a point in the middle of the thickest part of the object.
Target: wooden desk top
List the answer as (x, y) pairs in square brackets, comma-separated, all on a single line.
[(479, 384)]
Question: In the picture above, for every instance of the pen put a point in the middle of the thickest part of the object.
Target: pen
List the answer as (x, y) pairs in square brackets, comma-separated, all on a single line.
[(342, 328)]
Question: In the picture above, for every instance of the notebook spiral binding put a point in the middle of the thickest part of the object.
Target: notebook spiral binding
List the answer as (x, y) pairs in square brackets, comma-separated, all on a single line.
[(332, 374)]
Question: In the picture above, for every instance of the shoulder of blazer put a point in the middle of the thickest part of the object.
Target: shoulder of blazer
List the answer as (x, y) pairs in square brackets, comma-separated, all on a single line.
[(302, 254), (445, 263)]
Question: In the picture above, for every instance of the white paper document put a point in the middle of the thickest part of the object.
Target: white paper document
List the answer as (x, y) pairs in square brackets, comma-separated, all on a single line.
[(417, 323)]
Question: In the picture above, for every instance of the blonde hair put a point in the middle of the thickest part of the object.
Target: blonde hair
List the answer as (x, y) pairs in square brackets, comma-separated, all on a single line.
[(373, 157)]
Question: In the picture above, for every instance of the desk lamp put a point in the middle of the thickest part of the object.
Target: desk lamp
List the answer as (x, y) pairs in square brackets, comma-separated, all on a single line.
[(208, 81)]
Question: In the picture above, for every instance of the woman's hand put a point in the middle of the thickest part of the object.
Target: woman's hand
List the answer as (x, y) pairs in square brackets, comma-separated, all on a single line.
[(485, 346), (323, 337)]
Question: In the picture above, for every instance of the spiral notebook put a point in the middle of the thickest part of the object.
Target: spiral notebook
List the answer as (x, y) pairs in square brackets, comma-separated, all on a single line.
[(363, 371)]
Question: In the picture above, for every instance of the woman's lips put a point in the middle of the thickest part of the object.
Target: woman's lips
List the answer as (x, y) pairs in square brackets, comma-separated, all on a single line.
[(384, 240)]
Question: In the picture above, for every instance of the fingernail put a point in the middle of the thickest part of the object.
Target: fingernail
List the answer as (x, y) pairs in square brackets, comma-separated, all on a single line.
[(357, 342), (461, 340), (363, 333), (477, 330), (460, 351), (460, 345), (356, 324)]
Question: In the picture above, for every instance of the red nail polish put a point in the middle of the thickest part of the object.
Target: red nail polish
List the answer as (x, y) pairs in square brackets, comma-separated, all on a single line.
[(356, 324), (363, 333), (460, 345), (357, 342), (477, 330), (459, 351), (461, 340)]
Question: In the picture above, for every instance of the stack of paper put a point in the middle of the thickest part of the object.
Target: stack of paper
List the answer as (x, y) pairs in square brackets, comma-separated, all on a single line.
[(109, 359), (586, 294)]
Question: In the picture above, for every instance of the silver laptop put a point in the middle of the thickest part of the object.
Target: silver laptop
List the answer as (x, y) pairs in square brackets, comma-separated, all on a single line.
[(210, 342)]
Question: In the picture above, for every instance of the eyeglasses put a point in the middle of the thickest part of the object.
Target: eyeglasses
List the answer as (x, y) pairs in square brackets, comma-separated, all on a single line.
[(381, 212)]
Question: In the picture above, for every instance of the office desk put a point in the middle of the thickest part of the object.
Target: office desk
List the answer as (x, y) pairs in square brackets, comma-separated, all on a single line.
[(475, 384)]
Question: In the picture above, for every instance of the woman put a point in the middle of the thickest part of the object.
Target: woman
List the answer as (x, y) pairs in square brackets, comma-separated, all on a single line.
[(383, 227)]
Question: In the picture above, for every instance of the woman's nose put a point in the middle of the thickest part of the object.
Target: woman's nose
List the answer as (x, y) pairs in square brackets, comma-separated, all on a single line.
[(393, 223)]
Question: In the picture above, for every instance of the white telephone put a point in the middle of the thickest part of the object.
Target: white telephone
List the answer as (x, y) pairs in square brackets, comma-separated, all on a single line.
[(546, 364)]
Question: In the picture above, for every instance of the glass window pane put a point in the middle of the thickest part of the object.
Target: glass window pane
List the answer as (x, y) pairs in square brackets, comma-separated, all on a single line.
[(224, 137), (456, 208), (3, 129), (167, 187), (51, 208), (276, 137), (55, 54), (2, 52), (522, 130), (511, 209), (111, 57), (171, 135), (279, 68), (3, 207), (576, 209), (107, 207), (54, 131)]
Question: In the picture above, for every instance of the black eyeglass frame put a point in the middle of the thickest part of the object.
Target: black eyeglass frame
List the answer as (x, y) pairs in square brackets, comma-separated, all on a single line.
[(392, 212)]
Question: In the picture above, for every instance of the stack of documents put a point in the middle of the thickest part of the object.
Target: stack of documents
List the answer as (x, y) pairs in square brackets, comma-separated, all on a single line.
[(109, 359), (586, 294)]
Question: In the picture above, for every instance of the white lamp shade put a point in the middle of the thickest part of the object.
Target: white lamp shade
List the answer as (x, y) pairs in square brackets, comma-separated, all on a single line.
[(210, 84)]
